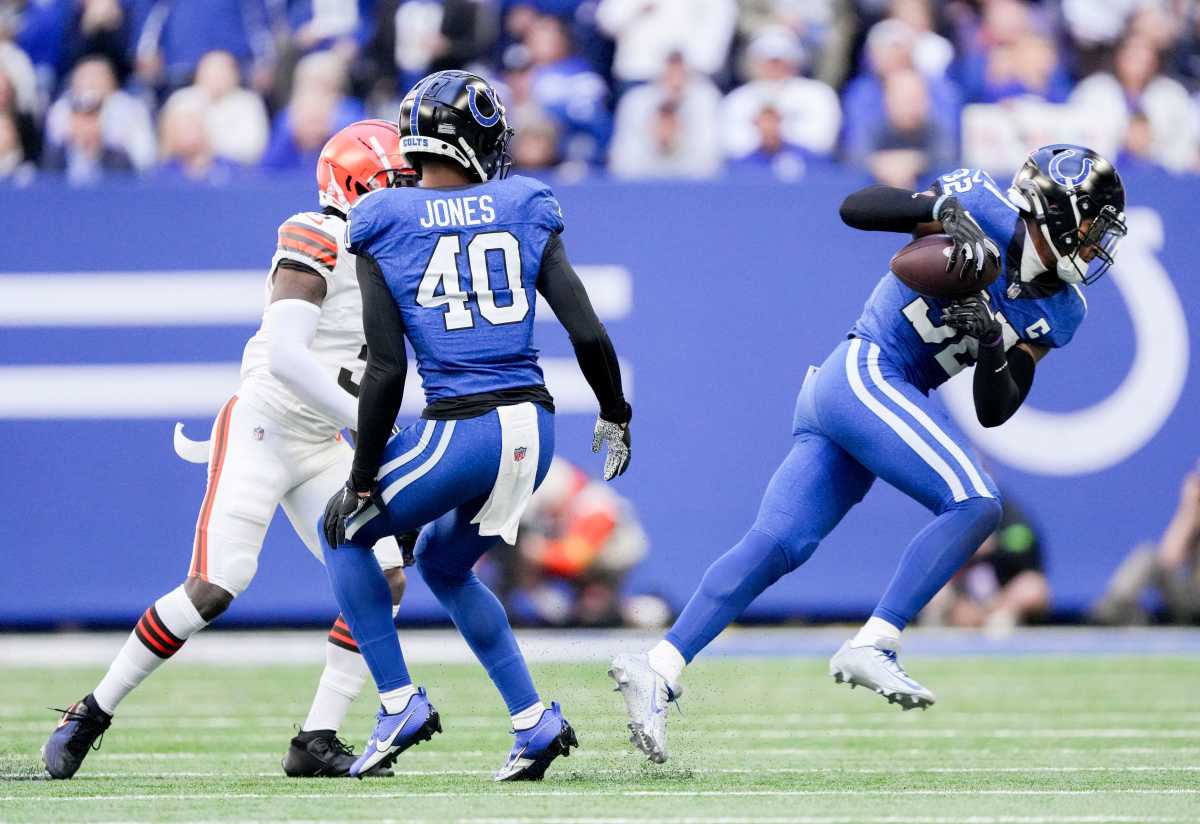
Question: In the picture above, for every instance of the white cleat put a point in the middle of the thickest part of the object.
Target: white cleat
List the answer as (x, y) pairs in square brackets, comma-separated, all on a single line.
[(647, 695), (877, 668)]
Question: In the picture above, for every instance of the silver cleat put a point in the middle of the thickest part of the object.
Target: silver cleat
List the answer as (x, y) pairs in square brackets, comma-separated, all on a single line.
[(647, 695), (877, 668)]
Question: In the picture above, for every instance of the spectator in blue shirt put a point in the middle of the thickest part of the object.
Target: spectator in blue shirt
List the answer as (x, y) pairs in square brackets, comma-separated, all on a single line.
[(889, 51), (178, 33), (773, 157), (1012, 54), (185, 152), (564, 86)]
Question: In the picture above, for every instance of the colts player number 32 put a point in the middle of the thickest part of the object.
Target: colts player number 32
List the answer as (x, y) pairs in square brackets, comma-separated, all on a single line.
[(866, 412)]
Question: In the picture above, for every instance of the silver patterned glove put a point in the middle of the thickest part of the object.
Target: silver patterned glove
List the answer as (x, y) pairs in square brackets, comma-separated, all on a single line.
[(617, 436)]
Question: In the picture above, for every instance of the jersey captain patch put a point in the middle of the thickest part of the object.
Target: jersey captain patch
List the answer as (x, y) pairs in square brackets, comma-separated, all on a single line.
[(303, 239)]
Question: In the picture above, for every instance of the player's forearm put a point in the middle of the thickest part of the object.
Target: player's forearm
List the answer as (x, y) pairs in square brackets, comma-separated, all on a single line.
[(563, 290), (379, 397), (887, 209), (290, 326), (601, 369), (382, 389), (1001, 381)]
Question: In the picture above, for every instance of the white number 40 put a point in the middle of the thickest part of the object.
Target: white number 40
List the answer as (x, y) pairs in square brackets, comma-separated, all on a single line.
[(442, 272)]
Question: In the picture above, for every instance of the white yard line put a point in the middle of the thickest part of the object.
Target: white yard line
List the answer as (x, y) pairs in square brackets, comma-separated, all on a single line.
[(564, 793), (803, 819), (676, 770), (770, 752)]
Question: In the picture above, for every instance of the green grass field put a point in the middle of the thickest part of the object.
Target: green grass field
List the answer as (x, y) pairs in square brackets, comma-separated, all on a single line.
[(1015, 740)]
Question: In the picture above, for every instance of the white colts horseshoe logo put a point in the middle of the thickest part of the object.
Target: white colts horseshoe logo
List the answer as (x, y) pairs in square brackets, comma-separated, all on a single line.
[(1103, 435)]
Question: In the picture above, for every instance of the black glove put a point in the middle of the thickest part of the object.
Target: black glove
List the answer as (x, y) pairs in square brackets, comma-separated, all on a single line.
[(971, 243), (408, 545), (345, 504), (616, 435), (973, 316)]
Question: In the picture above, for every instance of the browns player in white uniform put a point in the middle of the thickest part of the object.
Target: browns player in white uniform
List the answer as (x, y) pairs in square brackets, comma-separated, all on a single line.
[(276, 442)]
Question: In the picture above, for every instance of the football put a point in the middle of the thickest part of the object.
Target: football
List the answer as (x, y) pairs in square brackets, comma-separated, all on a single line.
[(921, 265)]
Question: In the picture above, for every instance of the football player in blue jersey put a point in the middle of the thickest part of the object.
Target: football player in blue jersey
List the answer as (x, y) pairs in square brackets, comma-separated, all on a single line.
[(865, 413), (453, 266)]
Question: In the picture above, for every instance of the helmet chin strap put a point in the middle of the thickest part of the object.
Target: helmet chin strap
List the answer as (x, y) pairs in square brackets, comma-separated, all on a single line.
[(470, 153), (1067, 271), (1064, 266)]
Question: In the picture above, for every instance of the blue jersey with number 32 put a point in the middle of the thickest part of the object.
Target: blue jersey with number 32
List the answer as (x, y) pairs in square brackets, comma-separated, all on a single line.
[(462, 265), (908, 328)]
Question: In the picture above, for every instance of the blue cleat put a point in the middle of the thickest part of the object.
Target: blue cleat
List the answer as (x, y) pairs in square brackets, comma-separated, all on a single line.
[(394, 734), (78, 731), (537, 746)]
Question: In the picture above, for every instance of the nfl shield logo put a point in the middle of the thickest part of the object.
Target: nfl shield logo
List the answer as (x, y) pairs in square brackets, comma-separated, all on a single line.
[(519, 453), (258, 433)]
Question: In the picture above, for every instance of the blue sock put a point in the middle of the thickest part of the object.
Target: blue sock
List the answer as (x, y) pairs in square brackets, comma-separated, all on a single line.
[(366, 603), (730, 584), (482, 622), (932, 558)]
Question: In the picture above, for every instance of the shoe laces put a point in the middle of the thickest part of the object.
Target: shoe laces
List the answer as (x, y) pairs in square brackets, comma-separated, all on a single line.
[(84, 720), (340, 747)]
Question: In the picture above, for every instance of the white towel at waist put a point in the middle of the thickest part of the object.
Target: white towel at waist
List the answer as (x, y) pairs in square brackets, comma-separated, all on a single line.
[(519, 454)]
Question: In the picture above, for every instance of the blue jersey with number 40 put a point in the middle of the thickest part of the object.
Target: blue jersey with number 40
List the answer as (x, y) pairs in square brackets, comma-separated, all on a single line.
[(462, 265), (908, 327)]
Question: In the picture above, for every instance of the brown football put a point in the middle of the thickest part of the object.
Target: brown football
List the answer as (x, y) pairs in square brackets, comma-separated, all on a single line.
[(922, 266)]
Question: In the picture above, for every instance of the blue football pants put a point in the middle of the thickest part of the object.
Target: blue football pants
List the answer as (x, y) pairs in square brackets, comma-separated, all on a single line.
[(438, 474), (856, 419)]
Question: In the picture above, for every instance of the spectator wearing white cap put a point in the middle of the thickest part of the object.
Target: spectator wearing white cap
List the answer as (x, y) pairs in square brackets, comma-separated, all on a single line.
[(810, 111), (648, 32)]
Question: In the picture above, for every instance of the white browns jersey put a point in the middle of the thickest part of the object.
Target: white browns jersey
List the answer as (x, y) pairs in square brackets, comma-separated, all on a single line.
[(315, 240)]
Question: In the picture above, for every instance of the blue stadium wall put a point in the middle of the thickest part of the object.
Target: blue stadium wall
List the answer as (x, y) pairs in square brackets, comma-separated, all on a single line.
[(736, 289)]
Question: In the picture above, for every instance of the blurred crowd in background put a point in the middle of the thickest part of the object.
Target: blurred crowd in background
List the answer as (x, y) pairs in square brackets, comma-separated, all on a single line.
[(212, 90)]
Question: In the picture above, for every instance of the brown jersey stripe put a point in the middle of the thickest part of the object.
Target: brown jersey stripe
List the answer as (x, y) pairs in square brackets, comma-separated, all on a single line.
[(303, 247), (316, 235), (154, 622)]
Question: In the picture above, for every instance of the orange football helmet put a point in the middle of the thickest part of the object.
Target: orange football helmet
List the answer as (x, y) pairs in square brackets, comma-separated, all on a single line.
[(360, 158)]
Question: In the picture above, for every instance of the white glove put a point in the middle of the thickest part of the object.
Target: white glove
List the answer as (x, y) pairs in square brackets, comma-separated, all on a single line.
[(617, 436)]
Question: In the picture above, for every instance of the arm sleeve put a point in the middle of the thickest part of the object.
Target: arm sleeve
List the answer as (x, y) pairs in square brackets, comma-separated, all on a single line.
[(887, 209), (290, 326), (382, 387), (560, 286), (1001, 382)]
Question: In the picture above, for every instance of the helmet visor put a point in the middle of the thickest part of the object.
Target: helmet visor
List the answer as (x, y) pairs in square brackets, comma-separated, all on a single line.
[(1098, 245)]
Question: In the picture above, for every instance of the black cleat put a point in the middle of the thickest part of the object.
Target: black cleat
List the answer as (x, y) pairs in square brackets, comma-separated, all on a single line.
[(321, 754), (80, 729)]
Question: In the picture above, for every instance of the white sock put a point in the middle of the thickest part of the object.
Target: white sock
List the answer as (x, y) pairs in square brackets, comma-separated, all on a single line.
[(873, 630), (529, 716), (158, 635), (396, 700), (667, 661), (341, 682)]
